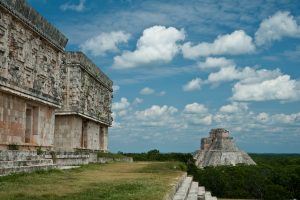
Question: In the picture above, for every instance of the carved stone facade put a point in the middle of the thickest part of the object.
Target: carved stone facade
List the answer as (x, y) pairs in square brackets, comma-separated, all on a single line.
[(87, 95), (37, 89)]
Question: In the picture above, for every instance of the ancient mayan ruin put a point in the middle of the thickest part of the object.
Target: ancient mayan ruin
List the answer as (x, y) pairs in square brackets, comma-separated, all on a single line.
[(50, 99), (220, 149)]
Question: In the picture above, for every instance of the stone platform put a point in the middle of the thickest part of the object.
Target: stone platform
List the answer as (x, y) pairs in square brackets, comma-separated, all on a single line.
[(23, 161), (15, 161)]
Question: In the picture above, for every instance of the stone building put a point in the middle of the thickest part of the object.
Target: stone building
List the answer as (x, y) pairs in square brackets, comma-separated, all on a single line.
[(220, 149), (31, 53), (85, 116), (49, 98)]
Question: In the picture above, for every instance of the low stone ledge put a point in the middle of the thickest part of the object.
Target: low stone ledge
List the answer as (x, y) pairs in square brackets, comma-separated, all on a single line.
[(175, 187)]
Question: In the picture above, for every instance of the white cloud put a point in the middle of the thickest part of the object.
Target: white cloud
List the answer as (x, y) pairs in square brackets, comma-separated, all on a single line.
[(157, 44), (116, 88), (225, 74), (156, 111), (238, 42), (257, 84), (147, 91), (279, 25), (137, 101), (206, 120), (263, 117), (234, 107), (246, 75), (286, 118), (105, 42), (195, 108), (121, 105), (161, 93), (212, 62), (194, 84), (279, 88), (75, 7)]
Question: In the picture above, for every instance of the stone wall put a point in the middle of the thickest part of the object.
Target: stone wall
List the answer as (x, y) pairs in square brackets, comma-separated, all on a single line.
[(37, 76), (23, 12), (29, 65), (86, 90), (67, 132), (13, 122), (75, 132), (93, 130)]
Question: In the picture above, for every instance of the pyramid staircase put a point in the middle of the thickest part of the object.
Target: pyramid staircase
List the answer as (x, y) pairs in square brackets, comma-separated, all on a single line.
[(26, 161), (190, 190)]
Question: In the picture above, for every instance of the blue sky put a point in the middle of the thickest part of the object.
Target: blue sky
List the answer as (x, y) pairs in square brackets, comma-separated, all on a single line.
[(181, 68)]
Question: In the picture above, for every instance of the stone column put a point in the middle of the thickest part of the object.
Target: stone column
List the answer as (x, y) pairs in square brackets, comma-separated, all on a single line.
[(105, 138)]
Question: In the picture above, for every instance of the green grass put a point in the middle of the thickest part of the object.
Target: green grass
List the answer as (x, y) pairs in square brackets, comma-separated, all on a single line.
[(141, 180), (110, 155), (163, 167)]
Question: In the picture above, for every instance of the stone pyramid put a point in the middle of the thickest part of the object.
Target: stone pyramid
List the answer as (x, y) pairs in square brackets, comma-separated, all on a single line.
[(220, 149)]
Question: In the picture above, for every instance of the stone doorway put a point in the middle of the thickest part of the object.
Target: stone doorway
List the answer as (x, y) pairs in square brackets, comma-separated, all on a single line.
[(84, 134), (31, 123), (101, 137), (29, 126)]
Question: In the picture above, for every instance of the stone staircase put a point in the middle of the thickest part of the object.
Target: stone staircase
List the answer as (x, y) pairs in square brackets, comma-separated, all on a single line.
[(190, 190), (23, 161)]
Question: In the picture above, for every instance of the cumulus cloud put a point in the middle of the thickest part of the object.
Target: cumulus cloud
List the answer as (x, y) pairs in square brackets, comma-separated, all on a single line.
[(212, 62), (278, 118), (105, 42), (74, 7), (121, 105), (280, 88), (246, 75), (234, 107), (238, 42), (157, 44), (195, 108), (156, 111), (286, 118), (206, 120), (147, 91), (257, 84), (275, 27), (194, 84)]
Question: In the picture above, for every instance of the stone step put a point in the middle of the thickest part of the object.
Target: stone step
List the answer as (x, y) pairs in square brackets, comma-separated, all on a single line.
[(207, 196), (183, 190), (193, 193), (201, 193), (7, 171), (21, 163)]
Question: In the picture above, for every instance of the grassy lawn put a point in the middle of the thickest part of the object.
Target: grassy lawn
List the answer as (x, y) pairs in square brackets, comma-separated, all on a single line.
[(139, 180)]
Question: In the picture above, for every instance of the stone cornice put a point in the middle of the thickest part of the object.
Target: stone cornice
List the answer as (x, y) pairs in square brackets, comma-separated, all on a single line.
[(79, 58), (22, 11)]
